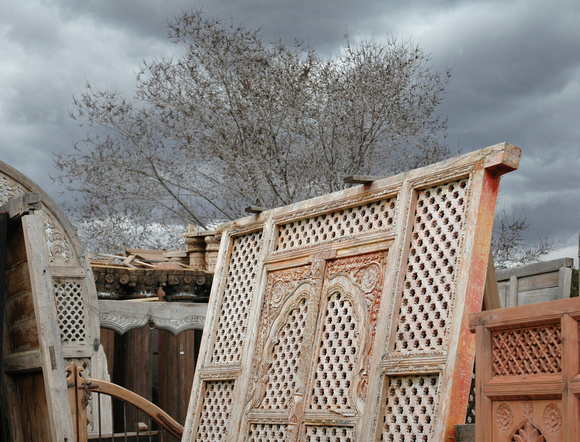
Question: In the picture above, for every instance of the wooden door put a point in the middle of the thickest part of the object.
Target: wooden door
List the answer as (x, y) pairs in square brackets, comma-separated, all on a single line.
[(52, 319), (343, 318)]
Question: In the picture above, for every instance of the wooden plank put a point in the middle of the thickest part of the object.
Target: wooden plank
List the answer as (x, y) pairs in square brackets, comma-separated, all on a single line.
[(23, 361), (24, 336), (538, 282), (56, 391), (4, 398), (35, 411), (18, 280), (21, 205), (15, 245), (570, 362), (534, 269), (526, 315), (20, 308), (491, 296)]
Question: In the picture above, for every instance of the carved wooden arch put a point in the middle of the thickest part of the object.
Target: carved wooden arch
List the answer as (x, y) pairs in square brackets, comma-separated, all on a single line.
[(70, 278), (301, 298), (351, 292)]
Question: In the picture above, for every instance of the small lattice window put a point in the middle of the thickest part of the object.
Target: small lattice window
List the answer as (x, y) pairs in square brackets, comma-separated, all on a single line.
[(410, 408), (527, 351), (70, 308), (431, 268), (215, 413), (317, 433), (377, 216), (267, 433), (242, 275), (337, 356), (283, 373)]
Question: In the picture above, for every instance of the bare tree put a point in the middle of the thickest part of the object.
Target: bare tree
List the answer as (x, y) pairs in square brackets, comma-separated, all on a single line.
[(236, 121), (510, 249)]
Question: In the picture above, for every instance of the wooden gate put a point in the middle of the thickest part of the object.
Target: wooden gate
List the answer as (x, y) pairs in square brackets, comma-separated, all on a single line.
[(344, 317), (51, 313)]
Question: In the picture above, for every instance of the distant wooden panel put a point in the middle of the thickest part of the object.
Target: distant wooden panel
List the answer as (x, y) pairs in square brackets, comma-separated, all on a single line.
[(539, 282), (345, 317)]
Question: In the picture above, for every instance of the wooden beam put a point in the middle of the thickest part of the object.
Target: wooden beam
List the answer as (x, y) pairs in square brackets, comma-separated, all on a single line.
[(361, 179), (21, 205), (255, 209)]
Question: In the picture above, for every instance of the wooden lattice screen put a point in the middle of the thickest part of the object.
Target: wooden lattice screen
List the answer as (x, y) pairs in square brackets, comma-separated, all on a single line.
[(528, 372), (344, 318)]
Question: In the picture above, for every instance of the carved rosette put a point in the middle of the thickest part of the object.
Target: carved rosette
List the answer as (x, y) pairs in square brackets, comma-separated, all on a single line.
[(504, 417)]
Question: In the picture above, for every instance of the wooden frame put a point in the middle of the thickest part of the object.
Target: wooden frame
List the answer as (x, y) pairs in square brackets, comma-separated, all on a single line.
[(527, 372), (394, 265), (53, 317)]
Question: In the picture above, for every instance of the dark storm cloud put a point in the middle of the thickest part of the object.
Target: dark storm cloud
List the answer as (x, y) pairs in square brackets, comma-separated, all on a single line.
[(516, 75)]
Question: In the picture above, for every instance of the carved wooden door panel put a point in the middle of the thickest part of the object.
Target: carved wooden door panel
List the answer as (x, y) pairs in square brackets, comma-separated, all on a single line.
[(315, 336), (343, 318)]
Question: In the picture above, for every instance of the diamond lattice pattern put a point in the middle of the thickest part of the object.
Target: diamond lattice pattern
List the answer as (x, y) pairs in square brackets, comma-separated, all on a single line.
[(215, 413), (242, 274), (336, 359), (70, 311), (267, 433), (410, 408), (376, 216), (283, 372), (527, 351), (315, 433), (431, 266)]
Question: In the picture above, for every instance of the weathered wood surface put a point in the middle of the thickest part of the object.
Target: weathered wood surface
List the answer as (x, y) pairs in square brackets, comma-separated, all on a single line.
[(539, 282), (527, 372), (174, 317), (51, 305), (345, 316)]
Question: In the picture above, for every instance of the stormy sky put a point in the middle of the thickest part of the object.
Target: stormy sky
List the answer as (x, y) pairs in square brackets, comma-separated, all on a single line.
[(515, 76)]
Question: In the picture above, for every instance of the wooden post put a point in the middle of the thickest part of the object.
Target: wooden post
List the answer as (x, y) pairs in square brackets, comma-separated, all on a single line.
[(78, 402)]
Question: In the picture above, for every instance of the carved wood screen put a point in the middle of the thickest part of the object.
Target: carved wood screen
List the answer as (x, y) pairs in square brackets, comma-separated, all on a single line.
[(343, 318), (56, 264), (528, 372)]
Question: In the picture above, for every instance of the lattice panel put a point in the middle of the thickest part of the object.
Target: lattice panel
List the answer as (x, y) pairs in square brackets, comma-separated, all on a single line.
[(365, 219), (70, 308), (410, 409), (337, 356), (215, 413), (240, 282), (267, 433), (316, 433), (283, 373), (470, 415), (431, 267), (528, 351)]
